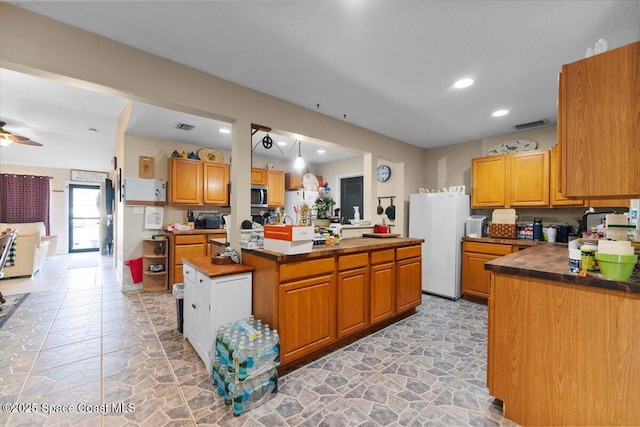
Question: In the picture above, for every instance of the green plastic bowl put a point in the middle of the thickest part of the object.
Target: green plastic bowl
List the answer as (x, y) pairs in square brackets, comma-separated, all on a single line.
[(616, 267)]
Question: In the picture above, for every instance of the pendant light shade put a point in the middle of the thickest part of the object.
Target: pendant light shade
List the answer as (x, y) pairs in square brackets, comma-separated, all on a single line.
[(299, 163)]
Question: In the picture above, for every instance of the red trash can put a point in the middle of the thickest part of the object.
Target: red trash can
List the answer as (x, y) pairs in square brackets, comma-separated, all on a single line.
[(135, 265)]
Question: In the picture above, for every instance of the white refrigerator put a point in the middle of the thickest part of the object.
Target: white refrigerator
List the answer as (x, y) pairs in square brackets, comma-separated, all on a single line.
[(439, 219), (294, 199)]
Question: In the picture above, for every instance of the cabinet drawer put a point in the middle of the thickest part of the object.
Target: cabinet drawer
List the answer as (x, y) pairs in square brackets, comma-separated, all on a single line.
[(188, 239), (348, 262), (203, 283), (188, 273), (408, 252), (186, 251), (386, 255), (314, 267), (487, 248)]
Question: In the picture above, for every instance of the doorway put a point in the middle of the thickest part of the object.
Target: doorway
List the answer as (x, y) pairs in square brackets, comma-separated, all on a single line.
[(351, 194), (84, 218)]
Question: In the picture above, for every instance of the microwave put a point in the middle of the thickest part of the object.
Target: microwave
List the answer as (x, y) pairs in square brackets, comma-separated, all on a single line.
[(258, 196)]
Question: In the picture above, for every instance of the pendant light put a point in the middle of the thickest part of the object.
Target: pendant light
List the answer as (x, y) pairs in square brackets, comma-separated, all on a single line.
[(299, 163)]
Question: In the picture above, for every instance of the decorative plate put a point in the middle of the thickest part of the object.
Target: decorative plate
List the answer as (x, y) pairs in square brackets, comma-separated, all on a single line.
[(513, 147), (310, 182), (210, 155)]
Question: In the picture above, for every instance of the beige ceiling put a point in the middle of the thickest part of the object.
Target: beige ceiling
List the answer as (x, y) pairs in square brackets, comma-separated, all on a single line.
[(387, 66)]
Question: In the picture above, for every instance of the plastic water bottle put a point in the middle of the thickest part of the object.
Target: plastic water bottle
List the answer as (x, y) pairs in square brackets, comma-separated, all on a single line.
[(356, 215)]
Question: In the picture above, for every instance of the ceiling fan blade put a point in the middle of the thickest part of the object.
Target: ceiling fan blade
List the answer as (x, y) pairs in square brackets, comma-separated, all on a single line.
[(29, 142), (6, 135), (16, 138)]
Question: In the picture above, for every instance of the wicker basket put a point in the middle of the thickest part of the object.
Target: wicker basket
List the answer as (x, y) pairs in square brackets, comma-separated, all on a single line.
[(503, 231)]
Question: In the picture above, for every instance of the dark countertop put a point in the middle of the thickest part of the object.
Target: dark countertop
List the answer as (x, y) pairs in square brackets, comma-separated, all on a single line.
[(356, 244), (516, 242), (204, 265), (550, 261), (220, 231)]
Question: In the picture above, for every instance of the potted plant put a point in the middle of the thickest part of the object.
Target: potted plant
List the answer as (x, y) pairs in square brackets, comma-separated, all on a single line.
[(324, 204)]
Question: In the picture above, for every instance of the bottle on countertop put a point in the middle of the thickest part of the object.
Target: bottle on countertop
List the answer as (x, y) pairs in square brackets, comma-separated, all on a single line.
[(537, 229)]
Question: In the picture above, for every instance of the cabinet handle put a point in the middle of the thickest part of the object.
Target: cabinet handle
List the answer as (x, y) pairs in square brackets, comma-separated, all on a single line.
[(194, 306)]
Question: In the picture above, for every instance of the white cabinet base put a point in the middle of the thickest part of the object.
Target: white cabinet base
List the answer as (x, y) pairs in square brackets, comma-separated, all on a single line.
[(210, 303)]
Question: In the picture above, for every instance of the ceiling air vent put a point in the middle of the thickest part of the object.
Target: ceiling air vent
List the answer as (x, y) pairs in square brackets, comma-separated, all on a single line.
[(184, 126), (530, 125)]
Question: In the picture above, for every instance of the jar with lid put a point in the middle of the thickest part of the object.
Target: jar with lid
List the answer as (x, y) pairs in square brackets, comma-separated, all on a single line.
[(588, 256)]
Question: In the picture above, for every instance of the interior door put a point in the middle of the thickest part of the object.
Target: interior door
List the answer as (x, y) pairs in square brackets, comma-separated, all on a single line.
[(84, 218)]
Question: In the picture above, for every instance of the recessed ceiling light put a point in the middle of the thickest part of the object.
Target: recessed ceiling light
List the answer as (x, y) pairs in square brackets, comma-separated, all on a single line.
[(281, 143), (321, 151), (225, 130), (462, 83), (500, 113)]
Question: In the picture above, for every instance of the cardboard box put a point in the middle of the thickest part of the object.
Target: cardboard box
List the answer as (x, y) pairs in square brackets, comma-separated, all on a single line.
[(288, 247), (292, 233)]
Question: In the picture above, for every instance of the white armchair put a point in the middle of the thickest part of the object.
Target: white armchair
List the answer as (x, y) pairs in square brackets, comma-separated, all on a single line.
[(31, 248)]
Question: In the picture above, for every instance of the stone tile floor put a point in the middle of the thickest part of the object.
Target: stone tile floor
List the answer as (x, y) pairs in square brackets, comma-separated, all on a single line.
[(91, 355)]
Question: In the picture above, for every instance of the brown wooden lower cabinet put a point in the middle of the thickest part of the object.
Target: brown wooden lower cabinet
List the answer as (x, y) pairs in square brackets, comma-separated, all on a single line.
[(307, 316), (563, 354), (315, 303), (408, 272), (353, 301), (382, 285), (475, 279)]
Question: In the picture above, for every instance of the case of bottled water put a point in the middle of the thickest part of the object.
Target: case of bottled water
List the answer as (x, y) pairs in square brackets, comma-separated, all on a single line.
[(244, 370)]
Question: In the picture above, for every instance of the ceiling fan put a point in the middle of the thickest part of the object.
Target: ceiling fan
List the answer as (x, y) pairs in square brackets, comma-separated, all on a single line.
[(6, 138)]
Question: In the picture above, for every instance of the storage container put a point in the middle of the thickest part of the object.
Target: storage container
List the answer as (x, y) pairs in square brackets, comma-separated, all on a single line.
[(474, 225)]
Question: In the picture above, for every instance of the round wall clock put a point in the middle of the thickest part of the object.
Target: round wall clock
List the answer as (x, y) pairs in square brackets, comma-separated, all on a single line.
[(384, 173)]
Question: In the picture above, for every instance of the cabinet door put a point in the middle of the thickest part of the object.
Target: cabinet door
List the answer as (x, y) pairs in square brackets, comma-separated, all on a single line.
[(258, 176), (275, 185), (601, 131), (382, 291), (185, 181), (488, 182), (475, 279), (201, 327), (529, 178), (353, 301), (408, 284), (307, 315), (293, 181), (216, 184), (189, 313), (556, 197)]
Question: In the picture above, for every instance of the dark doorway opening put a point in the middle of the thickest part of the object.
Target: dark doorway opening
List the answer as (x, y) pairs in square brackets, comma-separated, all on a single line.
[(351, 194)]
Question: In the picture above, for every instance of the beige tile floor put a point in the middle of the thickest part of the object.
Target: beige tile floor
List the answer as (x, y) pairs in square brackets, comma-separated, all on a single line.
[(88, 354)]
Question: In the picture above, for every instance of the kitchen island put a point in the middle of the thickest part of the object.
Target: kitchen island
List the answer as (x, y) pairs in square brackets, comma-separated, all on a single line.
[(334, 293), (563, 349)]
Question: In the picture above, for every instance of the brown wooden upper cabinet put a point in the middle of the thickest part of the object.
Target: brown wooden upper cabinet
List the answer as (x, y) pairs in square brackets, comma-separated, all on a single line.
[(258, 176), (275, 188), (599, 125), (519, 179), (194, 182), (293, 181), (557, 199)]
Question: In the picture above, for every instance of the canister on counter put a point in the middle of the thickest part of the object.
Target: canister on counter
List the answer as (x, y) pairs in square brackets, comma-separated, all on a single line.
[(574, 260), (588, 257)]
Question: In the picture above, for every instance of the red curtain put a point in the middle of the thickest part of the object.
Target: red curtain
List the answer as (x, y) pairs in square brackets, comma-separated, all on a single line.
[(24, 198)]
